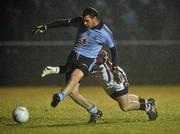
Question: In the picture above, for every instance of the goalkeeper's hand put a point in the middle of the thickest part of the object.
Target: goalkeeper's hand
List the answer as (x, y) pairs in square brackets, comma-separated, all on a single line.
[(50, 70), (39, 29), (117, 74)]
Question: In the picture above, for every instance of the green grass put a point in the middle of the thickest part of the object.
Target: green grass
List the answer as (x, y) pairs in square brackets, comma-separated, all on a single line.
[(69, 118)]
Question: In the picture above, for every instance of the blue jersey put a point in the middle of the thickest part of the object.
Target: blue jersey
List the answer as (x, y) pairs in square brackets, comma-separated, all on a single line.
[(90, 42)]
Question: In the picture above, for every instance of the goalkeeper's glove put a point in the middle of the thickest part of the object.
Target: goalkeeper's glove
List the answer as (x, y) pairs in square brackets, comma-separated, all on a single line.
[(50, 70), (39, 29), (117, 74)]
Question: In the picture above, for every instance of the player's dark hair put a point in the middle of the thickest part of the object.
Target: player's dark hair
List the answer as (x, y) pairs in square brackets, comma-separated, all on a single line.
[(90, 11)]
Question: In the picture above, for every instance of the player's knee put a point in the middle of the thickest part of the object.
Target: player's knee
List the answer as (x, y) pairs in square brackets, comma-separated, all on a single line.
[(74, 94), (76, 88), (76, 75), (73, 77), (124, 108)]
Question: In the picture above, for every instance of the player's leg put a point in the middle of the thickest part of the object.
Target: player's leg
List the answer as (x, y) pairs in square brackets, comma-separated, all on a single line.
[(75, 77), (82, 101), (126, 105), (126, 102), (143, 102), (132, 102), (79, 99), (133, 97)]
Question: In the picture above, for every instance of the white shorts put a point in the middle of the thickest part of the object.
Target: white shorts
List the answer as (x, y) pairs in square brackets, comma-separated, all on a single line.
[(116, 89)]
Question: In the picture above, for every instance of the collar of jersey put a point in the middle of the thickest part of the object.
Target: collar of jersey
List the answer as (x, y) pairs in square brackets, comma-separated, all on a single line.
[(99, 26)]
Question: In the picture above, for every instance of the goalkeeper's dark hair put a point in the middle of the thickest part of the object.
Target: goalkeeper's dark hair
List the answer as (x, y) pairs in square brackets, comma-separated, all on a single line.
[(90, 11)]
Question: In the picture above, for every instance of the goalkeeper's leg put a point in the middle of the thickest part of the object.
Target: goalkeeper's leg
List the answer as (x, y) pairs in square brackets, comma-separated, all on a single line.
[(76, 76), (79, 99), (82, 101)]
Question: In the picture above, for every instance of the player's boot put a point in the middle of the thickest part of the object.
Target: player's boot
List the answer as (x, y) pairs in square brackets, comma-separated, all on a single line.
[(95, 116), (152, 113), (55, 100), (152, 101)]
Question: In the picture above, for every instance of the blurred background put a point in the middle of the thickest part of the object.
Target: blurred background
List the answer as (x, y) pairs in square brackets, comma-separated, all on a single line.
[(147, 33)]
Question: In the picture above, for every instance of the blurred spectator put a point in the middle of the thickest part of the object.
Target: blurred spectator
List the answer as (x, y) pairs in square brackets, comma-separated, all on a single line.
[(151, 15), (129, 19), (16, 17), (8, 20)]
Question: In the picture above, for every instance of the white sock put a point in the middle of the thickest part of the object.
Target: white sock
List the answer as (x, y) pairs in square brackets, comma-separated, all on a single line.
[(148, 107), (93, 109), (61, 96)]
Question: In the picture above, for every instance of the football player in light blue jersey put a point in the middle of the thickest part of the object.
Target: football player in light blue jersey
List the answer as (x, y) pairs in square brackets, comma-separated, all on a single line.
[(93, 40), (92, 35)]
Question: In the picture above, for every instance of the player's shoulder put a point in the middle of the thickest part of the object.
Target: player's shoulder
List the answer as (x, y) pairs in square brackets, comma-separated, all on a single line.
[(106, 31), (102, 31), (105, 27)]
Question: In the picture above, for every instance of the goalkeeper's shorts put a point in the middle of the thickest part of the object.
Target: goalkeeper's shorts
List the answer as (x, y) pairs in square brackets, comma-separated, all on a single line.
[(78, 61)]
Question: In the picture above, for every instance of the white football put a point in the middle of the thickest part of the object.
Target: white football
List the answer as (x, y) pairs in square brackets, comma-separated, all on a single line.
[(20, 115)]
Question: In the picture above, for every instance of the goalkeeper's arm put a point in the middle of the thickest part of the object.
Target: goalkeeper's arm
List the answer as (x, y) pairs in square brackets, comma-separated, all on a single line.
[(59, 23), (44, 27), (53, 70)]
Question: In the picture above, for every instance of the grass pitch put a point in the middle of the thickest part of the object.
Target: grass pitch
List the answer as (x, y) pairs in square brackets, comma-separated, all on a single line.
[(69, 118)]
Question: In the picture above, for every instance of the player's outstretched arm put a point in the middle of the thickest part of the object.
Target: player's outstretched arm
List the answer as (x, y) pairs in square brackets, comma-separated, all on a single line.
[(50, 70), (58, 23)]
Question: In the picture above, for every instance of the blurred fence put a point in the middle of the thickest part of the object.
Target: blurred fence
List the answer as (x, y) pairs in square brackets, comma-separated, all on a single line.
[(146, 62)]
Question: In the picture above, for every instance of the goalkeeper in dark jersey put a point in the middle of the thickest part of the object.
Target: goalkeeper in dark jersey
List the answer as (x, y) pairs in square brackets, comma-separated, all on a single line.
[(92, 35)]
